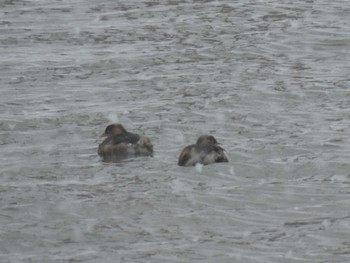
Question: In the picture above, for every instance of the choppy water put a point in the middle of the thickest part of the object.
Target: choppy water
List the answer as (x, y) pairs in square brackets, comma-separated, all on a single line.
[(269, 79)]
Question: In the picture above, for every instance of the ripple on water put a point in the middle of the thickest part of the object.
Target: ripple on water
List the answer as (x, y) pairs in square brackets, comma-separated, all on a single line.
[(269, 80)]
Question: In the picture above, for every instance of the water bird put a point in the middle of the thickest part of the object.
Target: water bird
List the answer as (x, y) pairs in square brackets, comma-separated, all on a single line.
[(206, 151), (121, 144)]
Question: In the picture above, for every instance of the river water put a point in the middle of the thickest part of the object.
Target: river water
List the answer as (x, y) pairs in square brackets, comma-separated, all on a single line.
[(269, 79)]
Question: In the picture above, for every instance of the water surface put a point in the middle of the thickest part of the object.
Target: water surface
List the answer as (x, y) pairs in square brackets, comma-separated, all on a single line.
[(269, 79)]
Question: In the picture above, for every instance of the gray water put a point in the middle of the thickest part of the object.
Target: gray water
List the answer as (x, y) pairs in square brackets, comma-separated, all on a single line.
[(269, 79)]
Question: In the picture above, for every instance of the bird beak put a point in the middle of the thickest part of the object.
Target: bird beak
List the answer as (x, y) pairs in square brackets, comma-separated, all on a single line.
[(103, 135)]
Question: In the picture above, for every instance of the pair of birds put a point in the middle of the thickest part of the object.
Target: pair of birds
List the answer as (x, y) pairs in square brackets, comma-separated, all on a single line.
[(121, 144)]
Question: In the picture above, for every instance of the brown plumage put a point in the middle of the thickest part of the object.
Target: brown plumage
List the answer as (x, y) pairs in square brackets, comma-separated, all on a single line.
[(121, 144), (205, 151)]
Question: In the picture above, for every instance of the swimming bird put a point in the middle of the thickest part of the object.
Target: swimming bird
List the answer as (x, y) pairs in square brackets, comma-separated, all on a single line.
[(121, 144), (205, 151)]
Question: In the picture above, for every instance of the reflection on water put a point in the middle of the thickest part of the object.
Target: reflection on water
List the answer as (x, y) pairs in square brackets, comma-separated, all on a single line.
[(269, 79)]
